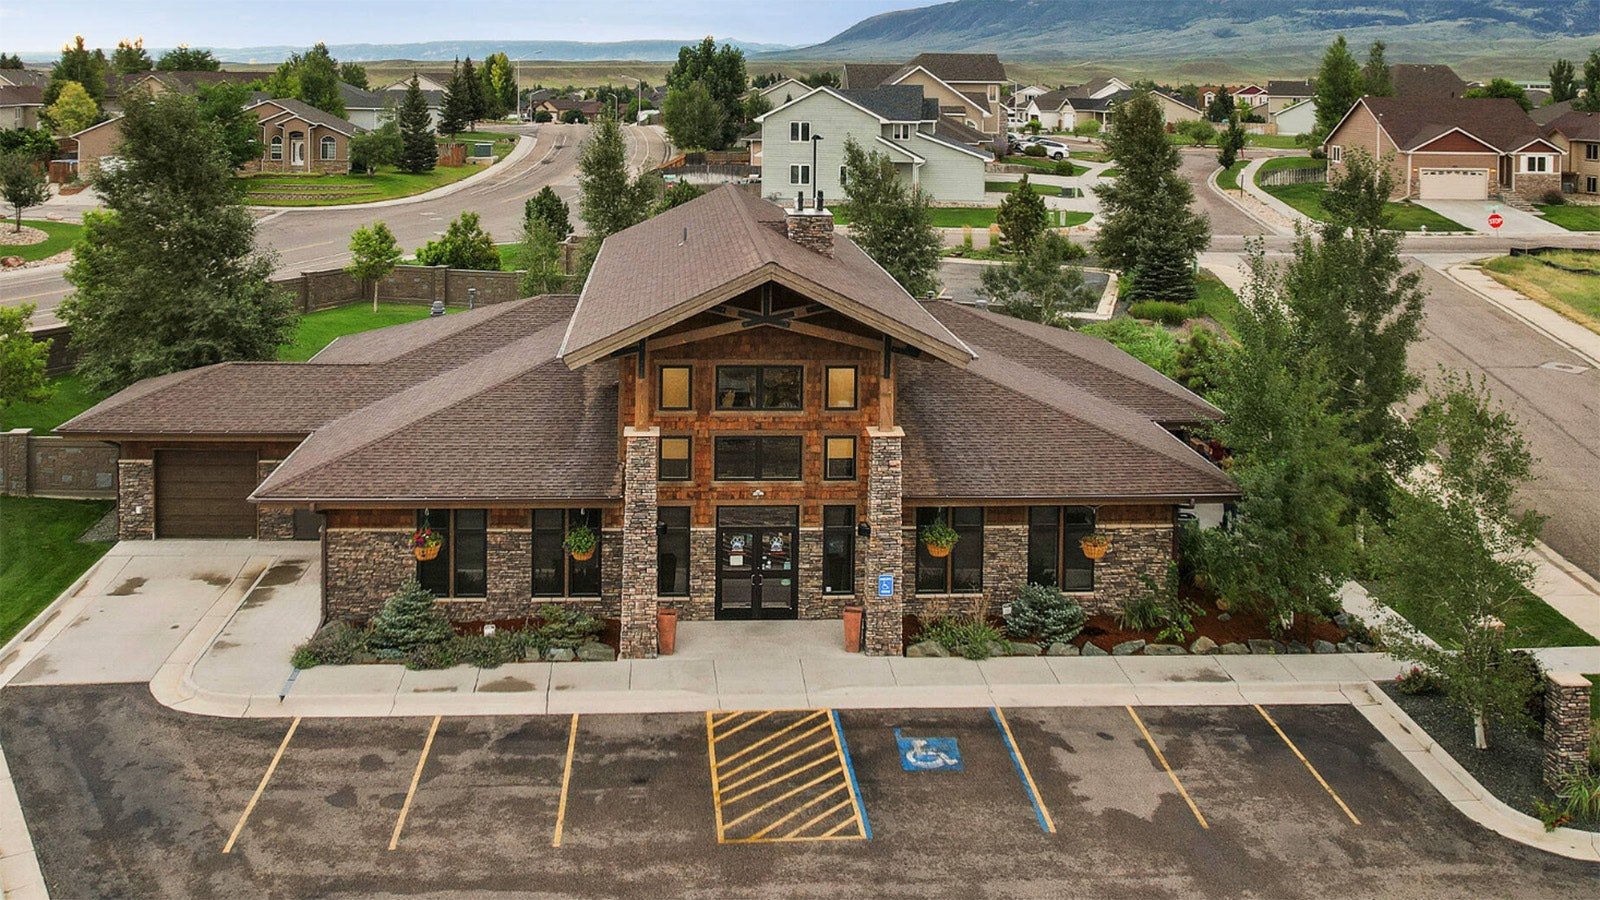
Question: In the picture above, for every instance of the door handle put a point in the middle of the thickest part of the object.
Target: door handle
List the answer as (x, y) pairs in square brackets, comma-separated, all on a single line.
[(756, 579)]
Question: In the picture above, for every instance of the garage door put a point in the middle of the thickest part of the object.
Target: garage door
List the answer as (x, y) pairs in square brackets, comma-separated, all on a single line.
[(1455, 184), (201, 493)]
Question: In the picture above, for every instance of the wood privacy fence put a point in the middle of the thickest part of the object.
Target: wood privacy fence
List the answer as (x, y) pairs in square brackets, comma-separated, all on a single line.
[(1280, 177)]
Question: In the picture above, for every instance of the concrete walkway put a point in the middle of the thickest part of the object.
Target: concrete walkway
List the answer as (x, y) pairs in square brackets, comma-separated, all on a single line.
[(1474, 215), (1535, 315)]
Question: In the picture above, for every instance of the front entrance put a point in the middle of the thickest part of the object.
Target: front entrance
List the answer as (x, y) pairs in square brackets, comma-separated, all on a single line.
[(757, 574)]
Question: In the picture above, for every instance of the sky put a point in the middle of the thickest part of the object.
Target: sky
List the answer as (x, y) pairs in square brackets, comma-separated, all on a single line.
[(35, 26)]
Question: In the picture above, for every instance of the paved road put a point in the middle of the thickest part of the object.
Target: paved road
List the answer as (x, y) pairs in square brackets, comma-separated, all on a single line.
[(306, 239), (127, 798)]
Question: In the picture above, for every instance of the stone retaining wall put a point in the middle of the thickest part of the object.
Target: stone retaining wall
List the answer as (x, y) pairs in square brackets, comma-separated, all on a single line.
[(46, 466)]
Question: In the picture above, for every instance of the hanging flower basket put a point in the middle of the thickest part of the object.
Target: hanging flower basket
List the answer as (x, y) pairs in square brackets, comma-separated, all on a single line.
[(425, 544), (1095, 545), (938, 538), (581, 541)]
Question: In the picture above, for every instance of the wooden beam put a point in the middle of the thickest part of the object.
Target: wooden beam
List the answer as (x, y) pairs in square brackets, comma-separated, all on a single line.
[(832, 334)]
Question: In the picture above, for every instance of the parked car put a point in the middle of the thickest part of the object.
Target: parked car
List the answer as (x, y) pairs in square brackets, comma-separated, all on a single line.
[(1054, 149)]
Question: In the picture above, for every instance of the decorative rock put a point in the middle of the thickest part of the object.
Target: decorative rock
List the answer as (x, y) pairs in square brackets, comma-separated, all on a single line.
[(1297, 647), (1342, 620), (594, 651), (1203, 645), (1321, 646), (560, 654), (1090, 649), (531, 654), (1360, 647), (927, 650), (999, 648), (1165, 650), (1061, 648), (1023, 648), (11, 262), (1267, 647), (1234, 649), (1128, 648), (1224, 617)]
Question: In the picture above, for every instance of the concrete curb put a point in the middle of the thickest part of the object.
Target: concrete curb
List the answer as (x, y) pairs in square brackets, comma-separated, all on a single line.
[(1529, 312), (1464, 792), (1247, 181), (1211, 182)]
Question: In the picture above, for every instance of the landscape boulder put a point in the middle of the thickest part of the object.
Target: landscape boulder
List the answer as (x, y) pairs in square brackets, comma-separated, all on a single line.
[(927, 650)]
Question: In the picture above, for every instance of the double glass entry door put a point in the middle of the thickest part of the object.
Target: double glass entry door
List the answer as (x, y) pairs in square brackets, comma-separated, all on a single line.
[(757, 573)]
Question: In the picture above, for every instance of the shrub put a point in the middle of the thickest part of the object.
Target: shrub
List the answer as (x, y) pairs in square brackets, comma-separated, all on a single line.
[(1044, 613), (464, 245), (1034, 150), (409, 620), (1163, 311), (1417, 680), (334, 644), (1160, 609), (1580, 795), (966, 637), (1064, 169), (488, 651), (1142, 613), (564, 627), (1554, 197), (439, 655)]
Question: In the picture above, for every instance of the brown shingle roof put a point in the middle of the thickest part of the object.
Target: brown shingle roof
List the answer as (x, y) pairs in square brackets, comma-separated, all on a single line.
[(1425, 81), (313, 115), (1544, 115), (951, 67), (1290, 88), (865, 76), (1576, 126), (1414, 121), (24, 95), (705, 251), (1055, 99), (951, 130)]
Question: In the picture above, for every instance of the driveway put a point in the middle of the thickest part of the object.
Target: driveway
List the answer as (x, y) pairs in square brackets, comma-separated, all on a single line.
[(1474, 214)]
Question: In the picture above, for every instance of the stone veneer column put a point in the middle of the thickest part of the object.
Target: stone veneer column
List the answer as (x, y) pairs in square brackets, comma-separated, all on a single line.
[(273, 522), (136, 499), (639, 543), (883, 548), (1566, 726), (14, 461)]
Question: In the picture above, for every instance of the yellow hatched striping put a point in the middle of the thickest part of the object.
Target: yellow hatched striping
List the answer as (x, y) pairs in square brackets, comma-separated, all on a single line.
[(780, 775)]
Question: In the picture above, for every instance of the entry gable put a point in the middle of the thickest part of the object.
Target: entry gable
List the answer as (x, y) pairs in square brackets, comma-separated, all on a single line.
[(1455, 140)]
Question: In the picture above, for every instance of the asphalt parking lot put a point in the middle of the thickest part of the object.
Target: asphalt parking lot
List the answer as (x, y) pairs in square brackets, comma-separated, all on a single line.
[(127, 798)]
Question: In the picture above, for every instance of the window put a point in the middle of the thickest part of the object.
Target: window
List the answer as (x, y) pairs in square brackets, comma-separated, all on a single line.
[(800, 131), (330, 148), (1055, 558), (461, 568), (962, 571), (994, 92), (841, 387), (1335, 153), (677, 391), (1536, 164), (1591, 151), (555, 572), (838, 549), (799, 174), (759, 387), (839, 458), (1591, 184), (676, 459), (672, 551), (758, 458), (900, 132), (276, 152)]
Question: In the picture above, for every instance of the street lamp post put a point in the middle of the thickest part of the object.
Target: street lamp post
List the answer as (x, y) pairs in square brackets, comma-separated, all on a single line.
[(815, 175)]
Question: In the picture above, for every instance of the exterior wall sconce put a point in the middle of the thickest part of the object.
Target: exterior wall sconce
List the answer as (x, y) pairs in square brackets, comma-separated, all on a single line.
[(864, 529), (758, 493)]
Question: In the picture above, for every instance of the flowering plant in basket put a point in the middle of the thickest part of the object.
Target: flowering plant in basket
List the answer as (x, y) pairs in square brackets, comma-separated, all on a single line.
[(425, 543)]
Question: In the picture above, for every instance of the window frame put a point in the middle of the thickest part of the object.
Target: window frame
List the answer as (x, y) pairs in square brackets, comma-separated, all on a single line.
[(827, 388), (845, 531), (448, 556), (669, 533), (762, 442), (1543, 161), (828, 459), (1591, 151), (328, 147), (596, 519), (1335, 153), (275, 148), (758, 389), (1591, 185), (661, 388), (801, 171), (1063, 547), (900, 131), (688, 458), (799, 132), (927, 564)]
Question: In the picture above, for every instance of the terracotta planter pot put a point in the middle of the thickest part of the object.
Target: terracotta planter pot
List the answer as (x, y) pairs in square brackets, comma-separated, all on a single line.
[(852, 628), (423, 554), (666, 631), (938, 551), (585, 555)]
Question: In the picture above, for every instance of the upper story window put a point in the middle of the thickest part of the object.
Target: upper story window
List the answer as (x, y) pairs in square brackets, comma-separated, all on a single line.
[(676, 389), (1591, 151), (800, 131), (994, 92), (759, 387), (900, 132), (1335, 153), (799, 174), (839, 458), (841, 388), (1536, 163), (764, 458), (677, 459)]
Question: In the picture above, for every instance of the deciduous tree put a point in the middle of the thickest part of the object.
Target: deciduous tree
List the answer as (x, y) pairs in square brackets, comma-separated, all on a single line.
[(1041, 284), (184, 59), (1563, 81), (312, 78), (22, 184), (168, 276), (722, 72), (550, 210), (22, 359), (73, 111), (130, 57), (539, 257), (380, 147), (679, 193), (418, 153), (464, 245), (609, 197), (693, 118), (223, 104), (354, 74), (499, 85), (373, 254), (891, 221), (1503, 87)]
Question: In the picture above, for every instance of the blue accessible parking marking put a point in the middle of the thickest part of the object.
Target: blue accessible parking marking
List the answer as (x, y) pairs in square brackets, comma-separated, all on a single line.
[(931, 754)]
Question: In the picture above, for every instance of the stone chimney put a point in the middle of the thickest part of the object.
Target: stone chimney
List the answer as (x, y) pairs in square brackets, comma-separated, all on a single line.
[(810, 228)]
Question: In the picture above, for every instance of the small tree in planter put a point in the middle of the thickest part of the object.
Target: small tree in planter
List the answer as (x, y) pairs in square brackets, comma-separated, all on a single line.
[(938, 537), (581, 542), (408, 621)]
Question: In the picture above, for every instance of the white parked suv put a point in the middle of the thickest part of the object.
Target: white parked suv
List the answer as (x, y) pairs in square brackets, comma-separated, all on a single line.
[(1054, 149)]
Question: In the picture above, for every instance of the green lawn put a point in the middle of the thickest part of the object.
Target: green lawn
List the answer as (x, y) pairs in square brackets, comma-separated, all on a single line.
[(62, 236), (1216, 301), (40, 555), (1228, 179), (317, 330), (1047, 166), (943, 216), (331, 190), (1273, 141), (1112, 172), (1574, 295), (1573, 218), (72, 396), (1404, 216), (1531, 623)]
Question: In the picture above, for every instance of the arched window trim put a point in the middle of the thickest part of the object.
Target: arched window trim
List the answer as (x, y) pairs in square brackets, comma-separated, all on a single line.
[(330, 147)]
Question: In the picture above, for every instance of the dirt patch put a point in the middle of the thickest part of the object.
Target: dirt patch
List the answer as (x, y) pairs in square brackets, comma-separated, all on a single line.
[(506, 685), (129, 587), (26, 237), (214, 579)]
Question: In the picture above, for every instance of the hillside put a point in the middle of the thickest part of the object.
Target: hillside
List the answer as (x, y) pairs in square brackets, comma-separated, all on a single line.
[(447, 51), (1512, 37)]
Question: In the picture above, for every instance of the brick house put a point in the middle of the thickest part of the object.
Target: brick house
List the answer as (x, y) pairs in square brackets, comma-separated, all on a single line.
[(751, 413), (1450, 149), (298, 137), (1578, 136)]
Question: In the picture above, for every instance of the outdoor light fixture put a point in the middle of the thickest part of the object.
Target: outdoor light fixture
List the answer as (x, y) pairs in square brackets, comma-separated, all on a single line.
[(758, 492), (864, 529), (816, 197)]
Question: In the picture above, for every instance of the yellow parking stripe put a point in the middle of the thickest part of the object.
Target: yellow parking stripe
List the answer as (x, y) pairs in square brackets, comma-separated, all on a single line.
[(716, 791), (1309, 767), (1027, 776), (566, 781), (783, 747), (747, 723), (774, 751), (782, 797), (791, 814), (761, 787), (271, 767), (416, 778), (1170, 774), (784, 761), (772, 737), (824, 817)]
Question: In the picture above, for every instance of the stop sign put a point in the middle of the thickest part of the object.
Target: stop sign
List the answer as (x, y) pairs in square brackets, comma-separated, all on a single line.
[(1495, 220)]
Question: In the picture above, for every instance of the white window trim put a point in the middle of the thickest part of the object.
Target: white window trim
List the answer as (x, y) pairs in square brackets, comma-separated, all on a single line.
[(328, 148), (799, 132), (1528, 160), (900, 131), (1335, 153), (800, 173), (275, 149)]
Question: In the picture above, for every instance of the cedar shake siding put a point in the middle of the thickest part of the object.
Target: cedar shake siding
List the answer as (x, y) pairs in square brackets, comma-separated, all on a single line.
[(756, 429)]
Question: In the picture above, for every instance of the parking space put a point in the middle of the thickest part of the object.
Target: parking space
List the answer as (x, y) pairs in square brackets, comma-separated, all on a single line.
[(127, 798)]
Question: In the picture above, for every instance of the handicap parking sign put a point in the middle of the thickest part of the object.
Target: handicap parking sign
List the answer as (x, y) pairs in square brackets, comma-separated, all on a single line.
[(928, 754), (885, 585)]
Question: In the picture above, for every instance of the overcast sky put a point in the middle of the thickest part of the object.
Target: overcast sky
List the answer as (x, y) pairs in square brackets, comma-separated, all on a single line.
[(39, 25)]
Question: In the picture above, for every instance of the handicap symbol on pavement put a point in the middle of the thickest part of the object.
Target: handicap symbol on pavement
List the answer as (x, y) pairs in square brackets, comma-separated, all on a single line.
[(928, 754)]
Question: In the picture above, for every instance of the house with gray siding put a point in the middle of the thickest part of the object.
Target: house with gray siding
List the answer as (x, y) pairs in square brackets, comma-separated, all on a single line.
[(896, 120)]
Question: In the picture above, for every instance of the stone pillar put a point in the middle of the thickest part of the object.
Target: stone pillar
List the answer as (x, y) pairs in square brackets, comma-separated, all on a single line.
[(1566, 726), (639, 543), (274, 522), (136, 499), (14, 458), (883, 548)]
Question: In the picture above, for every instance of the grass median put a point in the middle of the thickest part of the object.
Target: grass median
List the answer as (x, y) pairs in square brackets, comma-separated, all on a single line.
[(1575, 295), (62, 236)]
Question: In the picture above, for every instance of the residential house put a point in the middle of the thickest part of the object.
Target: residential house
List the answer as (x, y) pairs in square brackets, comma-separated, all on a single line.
[(968, 86), (1578, 136), (368, 109), (395, 94), (1544, 115), (1300, 118), (784, 91), (1283, 94), (1016, 103), (759, 430), (1426, 81), (20, 106), (298, 137), (897, 120), (24, 78), (155, 83), (94, 146), (1250, 97), (1099, 109), (426, 81), (1451, 149), (560, 106), (1053, 110)]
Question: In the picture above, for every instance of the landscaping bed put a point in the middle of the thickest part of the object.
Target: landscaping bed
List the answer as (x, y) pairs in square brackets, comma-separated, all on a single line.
[(39, 242)]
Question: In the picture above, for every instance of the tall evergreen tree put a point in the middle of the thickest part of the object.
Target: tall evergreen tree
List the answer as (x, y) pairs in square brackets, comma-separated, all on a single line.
[(549, 210), (1338, 87), (1563, 81), (1022, 217), (417, 150), (1148, 229), (168, 277), (455, 109), (78, 63), (891, 221), (477, 104), (1589, 100), (1376, 79), (130, 57)]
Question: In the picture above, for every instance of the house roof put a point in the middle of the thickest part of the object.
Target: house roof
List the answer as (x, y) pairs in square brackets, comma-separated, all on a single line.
[(1413, 121), (111, 121), (1435, 82), (25, 77), (1054, 100), (958, 67), (714, 247), (949, 129), (954, 144), (1575, 126), (891, 102), (21, 95), (1290, 88), (184, 82), (311, 114), (357, 98), (865, 76), (1544, 115)]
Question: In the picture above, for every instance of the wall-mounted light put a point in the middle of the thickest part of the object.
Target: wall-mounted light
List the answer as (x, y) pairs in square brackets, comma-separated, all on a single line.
[(758, 492), (864, 529)]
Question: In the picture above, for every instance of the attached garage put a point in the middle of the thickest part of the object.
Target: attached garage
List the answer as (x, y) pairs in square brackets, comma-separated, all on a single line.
[(203, 493), (1454, 184)]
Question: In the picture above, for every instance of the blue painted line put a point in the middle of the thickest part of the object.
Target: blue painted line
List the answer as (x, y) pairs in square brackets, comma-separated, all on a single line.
[(288, 685), (1038, 810), (850, 769)]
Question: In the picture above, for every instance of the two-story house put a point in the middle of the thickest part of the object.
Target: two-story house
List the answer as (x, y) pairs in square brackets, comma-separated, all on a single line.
[(756, 419), (1578, 135), (969, 87), (803, 143)]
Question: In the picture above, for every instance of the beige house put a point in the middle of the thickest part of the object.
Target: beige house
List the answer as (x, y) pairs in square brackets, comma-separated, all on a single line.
[(1578, 135), (969, 87), (298, 137), (96, 145), (1283, 94), (1451, 149), (19, 106)]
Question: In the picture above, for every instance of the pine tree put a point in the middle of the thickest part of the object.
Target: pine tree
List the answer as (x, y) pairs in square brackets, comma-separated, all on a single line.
[(550, 210), (1563, 81), (130, 57), (79, 64), (1338, 87), (608, 198), (1022, 217), (455, 108), (409, 620), (1375, 77), (418, 152), (477, 103)]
